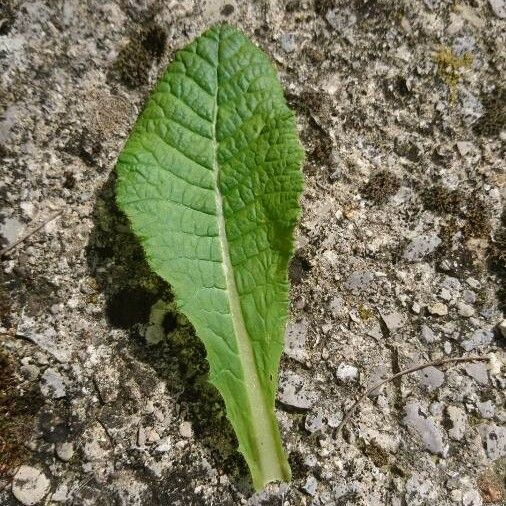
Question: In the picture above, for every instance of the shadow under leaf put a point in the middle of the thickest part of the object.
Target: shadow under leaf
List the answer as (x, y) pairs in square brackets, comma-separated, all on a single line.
[(116, 261)]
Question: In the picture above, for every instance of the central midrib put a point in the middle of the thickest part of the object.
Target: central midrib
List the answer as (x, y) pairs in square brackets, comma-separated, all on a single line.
[(261, 417)]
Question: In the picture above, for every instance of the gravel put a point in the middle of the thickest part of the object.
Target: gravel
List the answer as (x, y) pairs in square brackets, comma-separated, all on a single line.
[(30, 485), (399, 254)]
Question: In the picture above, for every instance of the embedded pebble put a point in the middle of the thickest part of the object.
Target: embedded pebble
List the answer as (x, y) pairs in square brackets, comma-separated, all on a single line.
[(293, 392), (458, 419), (164, 445), (337, 306), (186, 430), (30, 485), (310, 486), (498, 7), (52, 384), (420, 247), (288, 42), (61, 494), (346, 372), (469, 296), (494, 440), (438, 309), (359, 281), (486, 409), (427, 429), (452, 284), (477, 371), (479, 339), (10, 230), (428, 334), (295, 340), (313, 422), (431, 377), (471, 498), (465, 310), (65, 451), (393, 320), (154, 332), (96, 443)]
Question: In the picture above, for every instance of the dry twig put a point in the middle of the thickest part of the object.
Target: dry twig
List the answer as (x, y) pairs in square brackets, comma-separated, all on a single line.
[(370, 390), (23, 238)]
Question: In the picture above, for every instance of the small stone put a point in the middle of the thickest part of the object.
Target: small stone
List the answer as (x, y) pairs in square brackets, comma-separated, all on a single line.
[(334, 419), (473, 283), (375, 332), (288, 42), (498, 7), (154, 332), (393, 320), (451, 284), (420, 247), (337, 306), (429, 432), (165, 445), (52, 384), (494, 440), (295, 340), (465, 310), (477, 371), (469, 296), (10, 230), (293, 392), (486, 409), (458, 419), (30, 372), (447, 347), (313, 422), (61, 494), (310, 486), (436, 409), (346, 372), (438, 309), (30, 485), (456, 496), (65, 451), (28, 209), (445, 294), (141, 437), (471, 498), (428, 334), (299, 303), (152, 436), (186, 430), (359, 281), (445, 265), (416, 308), (479, 339), (465, 147), (431, 377)]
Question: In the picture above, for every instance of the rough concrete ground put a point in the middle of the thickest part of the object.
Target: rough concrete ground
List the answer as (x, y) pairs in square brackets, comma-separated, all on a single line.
[(401, 250)]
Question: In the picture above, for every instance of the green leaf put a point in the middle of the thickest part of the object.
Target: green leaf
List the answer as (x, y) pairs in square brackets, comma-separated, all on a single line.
[(210, 179)]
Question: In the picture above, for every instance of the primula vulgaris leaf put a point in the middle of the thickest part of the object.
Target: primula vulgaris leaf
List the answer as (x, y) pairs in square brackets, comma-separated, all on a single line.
[(210, 179)]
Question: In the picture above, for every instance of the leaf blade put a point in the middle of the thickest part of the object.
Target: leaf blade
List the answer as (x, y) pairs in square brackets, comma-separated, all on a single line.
[(210, 179)]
